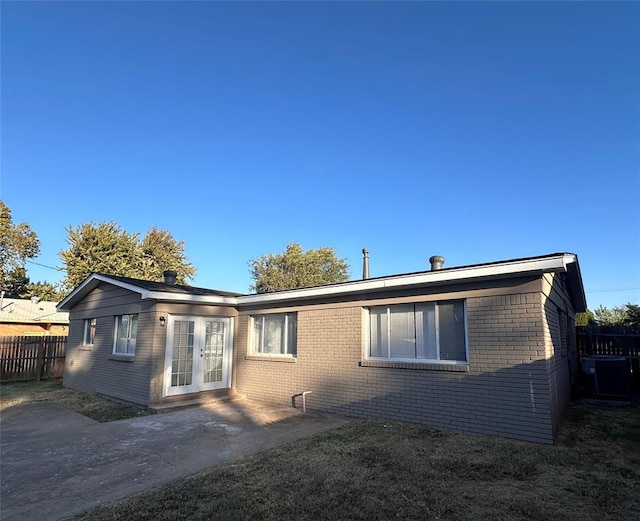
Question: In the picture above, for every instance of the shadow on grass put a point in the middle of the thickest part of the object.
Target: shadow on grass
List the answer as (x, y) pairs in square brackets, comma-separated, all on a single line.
[(94, 407)]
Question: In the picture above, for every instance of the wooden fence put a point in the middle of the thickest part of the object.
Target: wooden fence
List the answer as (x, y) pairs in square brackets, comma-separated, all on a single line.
[(24, 358), (618, 341)]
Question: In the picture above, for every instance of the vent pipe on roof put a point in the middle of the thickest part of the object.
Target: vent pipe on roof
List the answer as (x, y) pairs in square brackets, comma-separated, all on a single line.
[(170, 277), (365, 263), (437, 262)]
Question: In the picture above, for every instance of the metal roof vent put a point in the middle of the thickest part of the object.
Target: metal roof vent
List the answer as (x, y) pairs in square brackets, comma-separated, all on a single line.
[(170, 277), (365, 263), (437, 262)]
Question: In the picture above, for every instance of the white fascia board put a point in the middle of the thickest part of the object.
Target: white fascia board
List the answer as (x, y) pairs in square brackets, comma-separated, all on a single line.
[(452, 275), (91, 283), (539, 265), (183, 297)]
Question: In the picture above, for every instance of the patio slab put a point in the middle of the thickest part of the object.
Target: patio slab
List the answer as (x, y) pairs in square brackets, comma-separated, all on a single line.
[(55, 462)]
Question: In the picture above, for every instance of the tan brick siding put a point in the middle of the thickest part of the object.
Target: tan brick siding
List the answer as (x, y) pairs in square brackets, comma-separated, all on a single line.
[(505, 391), (515, 385), (560, 337)]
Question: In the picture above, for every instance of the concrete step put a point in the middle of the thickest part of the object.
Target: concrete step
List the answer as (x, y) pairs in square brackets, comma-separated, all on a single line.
[(176, 403)]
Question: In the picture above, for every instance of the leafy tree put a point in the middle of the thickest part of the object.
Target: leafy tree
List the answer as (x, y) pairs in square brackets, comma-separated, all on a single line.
[(609, 317), (107, 248), (627, 315), (585, 319), (18, 243), (101, 248), (295, 268), (632, 314), (160, 252), (43, 290)]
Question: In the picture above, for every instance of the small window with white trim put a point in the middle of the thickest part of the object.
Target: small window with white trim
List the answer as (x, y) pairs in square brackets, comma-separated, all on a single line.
[(274, 334), (89, 332), (126, 332), (421, 332)]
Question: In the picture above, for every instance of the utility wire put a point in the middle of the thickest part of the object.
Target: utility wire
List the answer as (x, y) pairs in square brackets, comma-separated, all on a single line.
[(45, 266), (612, 290)]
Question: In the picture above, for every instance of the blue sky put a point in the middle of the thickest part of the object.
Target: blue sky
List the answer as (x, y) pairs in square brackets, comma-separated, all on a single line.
[(479, 131)]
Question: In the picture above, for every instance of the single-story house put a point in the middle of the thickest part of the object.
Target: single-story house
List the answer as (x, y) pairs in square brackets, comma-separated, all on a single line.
[(485, 348), (32, 316)]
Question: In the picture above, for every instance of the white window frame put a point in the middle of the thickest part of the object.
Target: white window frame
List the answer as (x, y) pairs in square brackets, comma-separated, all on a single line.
[(130, 349), (367, 337), (89, 335), (258, 350)]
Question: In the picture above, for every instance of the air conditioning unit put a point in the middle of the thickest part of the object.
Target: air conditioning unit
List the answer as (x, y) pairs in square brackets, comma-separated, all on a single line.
[(607, 375)]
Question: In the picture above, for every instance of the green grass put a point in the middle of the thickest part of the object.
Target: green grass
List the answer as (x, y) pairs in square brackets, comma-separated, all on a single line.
[(375, 470), (95, 407)]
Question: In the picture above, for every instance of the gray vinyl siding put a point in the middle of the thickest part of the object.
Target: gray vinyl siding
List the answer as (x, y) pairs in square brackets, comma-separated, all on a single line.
[(95, 369)]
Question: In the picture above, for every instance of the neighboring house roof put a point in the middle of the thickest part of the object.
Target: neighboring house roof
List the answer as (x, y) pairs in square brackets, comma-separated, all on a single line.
[(31, 311), (552, 263)]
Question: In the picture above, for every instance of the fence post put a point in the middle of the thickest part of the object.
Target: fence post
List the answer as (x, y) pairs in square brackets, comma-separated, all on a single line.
[(42, 348)]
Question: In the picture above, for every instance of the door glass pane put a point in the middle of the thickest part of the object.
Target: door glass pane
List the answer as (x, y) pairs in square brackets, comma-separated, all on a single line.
[(183, 339), (213, 352)]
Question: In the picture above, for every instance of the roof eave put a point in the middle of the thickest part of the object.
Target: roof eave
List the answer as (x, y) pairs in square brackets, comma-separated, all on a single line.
[(562, 262), (94, 280), (88, 285), (185, 297), (556, 263), (576, 286)]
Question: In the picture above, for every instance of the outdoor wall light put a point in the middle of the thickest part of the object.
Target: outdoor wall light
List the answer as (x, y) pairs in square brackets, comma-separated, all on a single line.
[(163, 321)]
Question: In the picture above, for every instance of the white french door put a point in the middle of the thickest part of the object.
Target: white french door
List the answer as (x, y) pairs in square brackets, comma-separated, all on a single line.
[(198, 356)]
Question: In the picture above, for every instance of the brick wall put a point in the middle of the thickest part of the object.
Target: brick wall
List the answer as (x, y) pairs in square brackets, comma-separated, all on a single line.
[(560, 341), (503, 391)]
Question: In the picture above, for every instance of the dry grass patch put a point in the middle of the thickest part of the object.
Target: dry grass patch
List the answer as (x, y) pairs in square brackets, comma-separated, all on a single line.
[(374, 470), (95, 407)]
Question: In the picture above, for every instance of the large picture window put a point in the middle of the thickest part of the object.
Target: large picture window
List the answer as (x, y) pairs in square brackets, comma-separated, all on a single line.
[(429, 331), (274, 334), (125, 335)]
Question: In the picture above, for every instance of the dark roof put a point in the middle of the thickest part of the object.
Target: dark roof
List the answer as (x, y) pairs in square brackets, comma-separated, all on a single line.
[(170, 288), (448, 268), (566, 262)]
